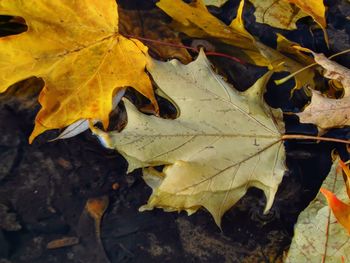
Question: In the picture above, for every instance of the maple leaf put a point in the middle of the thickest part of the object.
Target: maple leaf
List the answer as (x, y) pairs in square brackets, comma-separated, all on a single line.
[(212, 154), (75, 47), (195, 21), (317, 235), (326, 112)]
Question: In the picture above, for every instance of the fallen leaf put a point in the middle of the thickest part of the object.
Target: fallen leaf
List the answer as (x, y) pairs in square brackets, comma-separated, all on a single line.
[(346, 176), (96, 207), (195, 21), (284, 13), (317, 235), (334, 71), (314, 8), (75, 47), (149, 24), (212, 154), (340, 209), (326, 112), (287, 47), (82, 125), (279, 14)]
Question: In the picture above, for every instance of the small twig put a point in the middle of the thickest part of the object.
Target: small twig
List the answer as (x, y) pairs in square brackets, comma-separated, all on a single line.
[(208, 53), (309, 137), (281, 81)]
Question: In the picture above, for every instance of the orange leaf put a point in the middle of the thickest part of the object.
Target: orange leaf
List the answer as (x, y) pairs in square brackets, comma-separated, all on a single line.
[(75, 47), (340, 210), (346, 177)]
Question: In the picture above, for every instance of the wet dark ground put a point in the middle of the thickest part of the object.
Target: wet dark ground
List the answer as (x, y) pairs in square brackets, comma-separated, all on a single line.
[(44, 187)]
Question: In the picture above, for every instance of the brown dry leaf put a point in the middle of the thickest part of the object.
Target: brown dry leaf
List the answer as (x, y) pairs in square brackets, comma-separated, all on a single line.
[(96, 207), (326, 112), (212, 155), (62, 242), (334, 71), (149, 24), (75, 47)]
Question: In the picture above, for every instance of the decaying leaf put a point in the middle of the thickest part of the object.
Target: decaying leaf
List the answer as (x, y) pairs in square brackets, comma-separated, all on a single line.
[(213, 154), (334, 71), (96, 207), (75, 47), (326, 112), (195, 20), (62, 242), (317, 235)]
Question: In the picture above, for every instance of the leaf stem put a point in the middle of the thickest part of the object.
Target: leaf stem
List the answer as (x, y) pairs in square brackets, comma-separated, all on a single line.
[(309, 137), (208, 53), (281, 81)]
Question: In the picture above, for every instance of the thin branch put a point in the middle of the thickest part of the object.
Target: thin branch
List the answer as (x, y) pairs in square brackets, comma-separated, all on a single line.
[(208, 53), (281, 81), (309, 137)]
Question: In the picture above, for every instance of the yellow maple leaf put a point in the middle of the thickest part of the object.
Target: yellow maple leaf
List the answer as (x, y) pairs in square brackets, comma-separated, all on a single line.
[(75, 47), (285, 13), (195, 20), (314, 8), (279, 14)]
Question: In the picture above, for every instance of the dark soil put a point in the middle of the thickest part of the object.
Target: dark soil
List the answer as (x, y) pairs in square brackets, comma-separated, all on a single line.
[(44, 186)]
